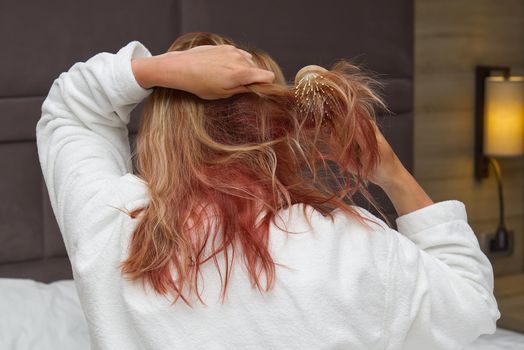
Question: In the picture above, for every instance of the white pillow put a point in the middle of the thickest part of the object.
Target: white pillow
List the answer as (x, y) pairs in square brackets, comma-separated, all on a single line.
[(35, 315)]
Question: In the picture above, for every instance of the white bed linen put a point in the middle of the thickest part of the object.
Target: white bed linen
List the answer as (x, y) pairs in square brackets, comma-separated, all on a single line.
[(41, 316)]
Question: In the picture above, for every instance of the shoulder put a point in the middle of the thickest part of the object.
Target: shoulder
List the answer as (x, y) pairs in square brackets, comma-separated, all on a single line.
[(306, 217), (341, 237), (338, 256)]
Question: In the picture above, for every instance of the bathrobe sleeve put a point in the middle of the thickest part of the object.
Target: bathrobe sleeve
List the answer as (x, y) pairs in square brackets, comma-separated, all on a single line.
[(439, 284), (82, 138)]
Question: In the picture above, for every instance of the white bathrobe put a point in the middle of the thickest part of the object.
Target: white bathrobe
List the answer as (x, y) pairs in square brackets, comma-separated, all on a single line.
[(427, 286)]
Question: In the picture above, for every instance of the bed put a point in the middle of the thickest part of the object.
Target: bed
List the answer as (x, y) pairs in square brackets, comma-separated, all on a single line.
[(35, 272)]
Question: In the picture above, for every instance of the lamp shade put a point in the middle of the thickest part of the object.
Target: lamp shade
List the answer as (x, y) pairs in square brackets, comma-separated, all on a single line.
[(504, 116)]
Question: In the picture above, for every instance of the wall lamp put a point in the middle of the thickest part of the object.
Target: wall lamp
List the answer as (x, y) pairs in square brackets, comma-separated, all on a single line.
[(499, 132)]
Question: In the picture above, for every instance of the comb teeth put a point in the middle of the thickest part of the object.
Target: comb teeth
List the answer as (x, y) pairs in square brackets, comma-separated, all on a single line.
[(309, 91)]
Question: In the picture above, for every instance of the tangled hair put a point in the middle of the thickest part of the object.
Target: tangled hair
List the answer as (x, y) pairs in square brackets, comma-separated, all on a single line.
[(218, 171)]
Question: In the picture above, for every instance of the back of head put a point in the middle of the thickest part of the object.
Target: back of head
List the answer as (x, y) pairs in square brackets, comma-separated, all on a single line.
[(241, 159)]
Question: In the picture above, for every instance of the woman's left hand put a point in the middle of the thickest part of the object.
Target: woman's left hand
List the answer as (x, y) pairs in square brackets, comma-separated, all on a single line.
[(208, 71)]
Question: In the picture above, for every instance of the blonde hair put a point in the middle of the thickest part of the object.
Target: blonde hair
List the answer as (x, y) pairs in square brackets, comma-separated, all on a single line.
[(220, 170)]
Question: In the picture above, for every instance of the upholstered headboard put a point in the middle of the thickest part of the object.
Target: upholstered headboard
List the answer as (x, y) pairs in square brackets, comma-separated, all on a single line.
[(40, 41)]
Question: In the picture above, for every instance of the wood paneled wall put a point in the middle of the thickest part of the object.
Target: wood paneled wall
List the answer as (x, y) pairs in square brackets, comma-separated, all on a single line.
[(451, 37)]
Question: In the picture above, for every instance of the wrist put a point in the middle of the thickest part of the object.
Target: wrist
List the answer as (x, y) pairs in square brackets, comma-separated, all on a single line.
[(405, 193), (397, 180), (155, 70), (167, 70), (397, 176)]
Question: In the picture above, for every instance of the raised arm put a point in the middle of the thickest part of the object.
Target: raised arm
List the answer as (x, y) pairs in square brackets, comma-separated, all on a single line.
[(82, 135), (440, 284)]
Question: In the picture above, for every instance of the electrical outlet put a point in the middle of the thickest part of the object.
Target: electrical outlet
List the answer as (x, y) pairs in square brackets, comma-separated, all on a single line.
[(486, 241)]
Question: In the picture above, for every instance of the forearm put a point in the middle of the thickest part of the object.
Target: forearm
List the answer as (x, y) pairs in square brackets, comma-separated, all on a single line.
[(405, 193), (156, 71), (207, 71)]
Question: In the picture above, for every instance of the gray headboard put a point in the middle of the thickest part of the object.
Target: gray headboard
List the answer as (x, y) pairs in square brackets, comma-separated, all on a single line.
[(40, 41)]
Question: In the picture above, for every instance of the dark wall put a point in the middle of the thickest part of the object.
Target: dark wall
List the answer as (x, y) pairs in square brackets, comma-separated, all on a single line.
[(40, 39)]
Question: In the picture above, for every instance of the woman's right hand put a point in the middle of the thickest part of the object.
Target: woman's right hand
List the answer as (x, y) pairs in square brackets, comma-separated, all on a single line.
[(390, 166), (400, 186)]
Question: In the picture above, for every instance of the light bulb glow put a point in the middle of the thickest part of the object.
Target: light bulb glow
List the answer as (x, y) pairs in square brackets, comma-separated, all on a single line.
[(504, 116)]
